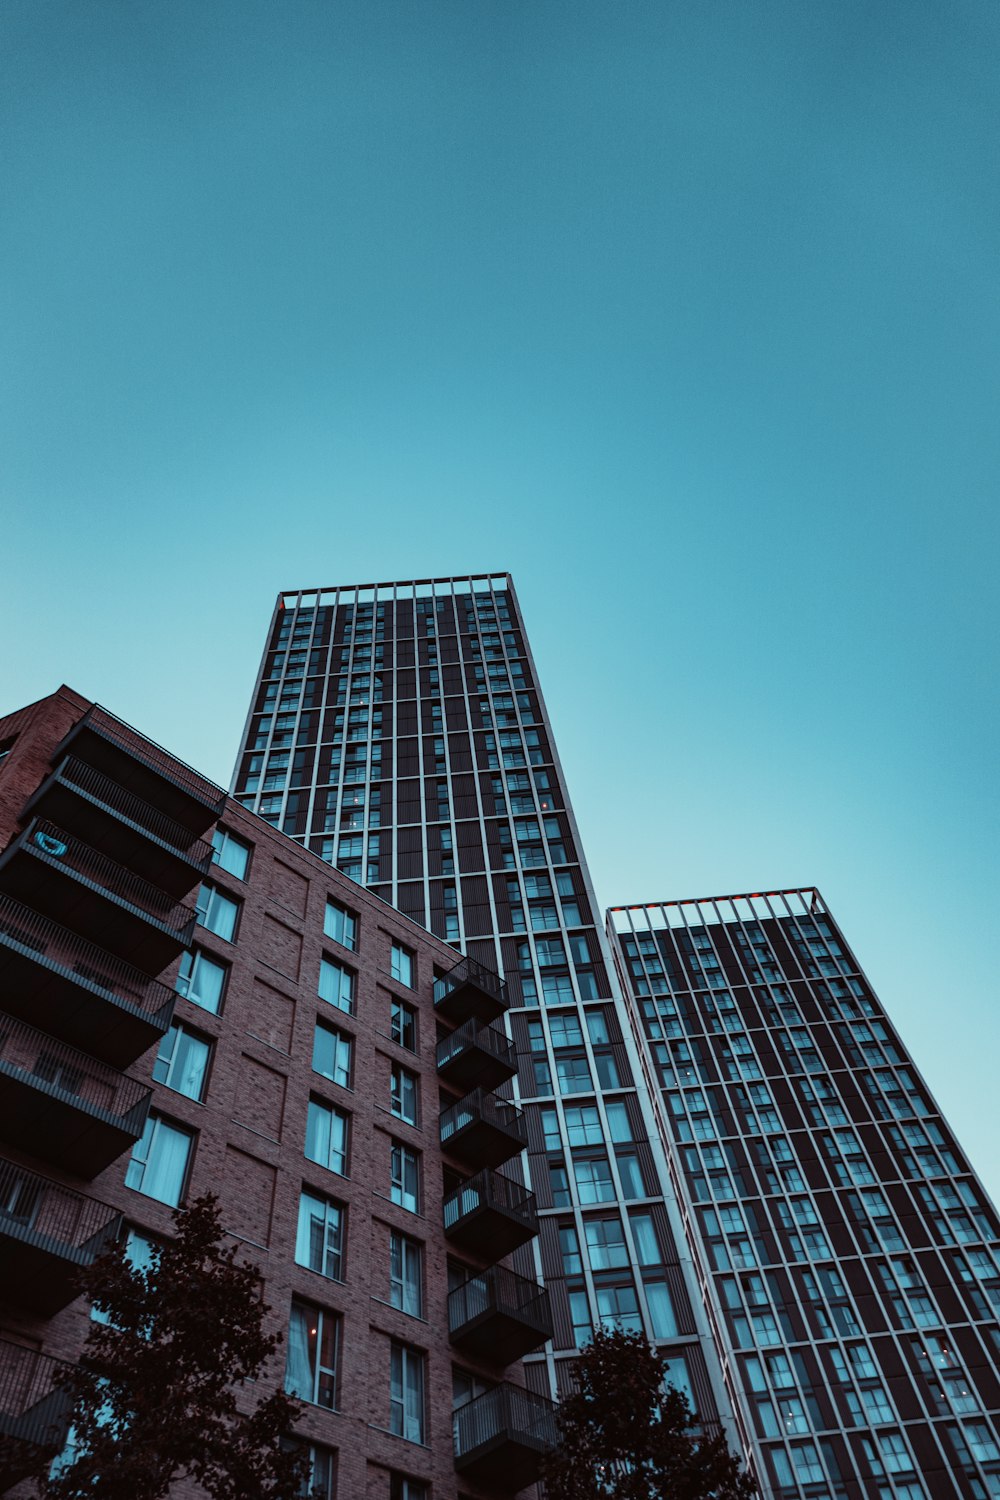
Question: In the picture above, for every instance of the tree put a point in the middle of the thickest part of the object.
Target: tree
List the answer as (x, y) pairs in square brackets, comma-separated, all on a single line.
[(626, 1435), (154, 1397)]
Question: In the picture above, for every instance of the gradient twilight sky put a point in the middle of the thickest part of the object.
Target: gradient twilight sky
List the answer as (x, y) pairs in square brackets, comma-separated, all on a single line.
[(685, 311)]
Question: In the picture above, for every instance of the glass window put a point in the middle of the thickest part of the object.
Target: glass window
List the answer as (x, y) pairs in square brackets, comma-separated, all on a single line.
[(647, 1245), (402, 1488), (631, 1175), (605, 1243), (182, 1061), (201, 980), (326, 1136), (579, 1311), (404, 1171), (583, 1125), (230, 853), (406, 1393), (406, 1280), (139, 1252), (573, 1074), (336, 985), (404, 1025), (404, 1094), (401, 964), (216, 911), (319, 1243), (320, 1479), (341, 925), (569, 1246), (661, 1310), (593, 1180), (332, 1054), (676, 1373), (618, 1121), (618, 1307), (313, 1354), (159, 1162)]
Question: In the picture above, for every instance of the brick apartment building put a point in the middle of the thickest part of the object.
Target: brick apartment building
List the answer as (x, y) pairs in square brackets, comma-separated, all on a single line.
[(192, 1002)]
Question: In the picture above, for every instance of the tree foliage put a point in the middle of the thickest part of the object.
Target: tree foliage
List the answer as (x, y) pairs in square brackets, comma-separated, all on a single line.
[(625, 1435), (154, 1397)]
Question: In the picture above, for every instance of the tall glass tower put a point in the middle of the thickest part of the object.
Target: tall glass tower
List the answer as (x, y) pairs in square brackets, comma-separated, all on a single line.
[(848, 1255), (399, 731)]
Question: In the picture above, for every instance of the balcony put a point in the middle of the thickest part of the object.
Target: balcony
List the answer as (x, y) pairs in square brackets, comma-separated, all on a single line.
[(34, 1410), (47, 1235), (110, 818), (470, 991), (483, 1131), (76, 990), (502, 1436), (476, 1056), (64, 1106), (498, 1317), (489, 1216), (64, 878), (140, 766)]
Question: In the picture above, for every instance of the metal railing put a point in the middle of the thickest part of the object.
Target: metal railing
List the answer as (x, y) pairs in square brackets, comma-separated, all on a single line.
[(500, 1290), (37, 1205), (126, 738), (507, 1411), (58, 948), (135, 809), (73, 1076), (33, 1407), (474, 1034), (490, 1190), (481, 1105), (63, 851), (470, 971)]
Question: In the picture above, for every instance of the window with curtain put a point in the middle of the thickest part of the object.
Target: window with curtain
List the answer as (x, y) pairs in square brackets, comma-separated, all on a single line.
[(230, 853), (661, 1310), (217, 911), (332, 1054), (404, 1168), (159, 1163), (201, 980), (313, 1354), (401, 964), (336, 985), (405, 1273), (403, 1094), (319, 1241), (327, 1136), (406, 1392), (182, 1061), (341, 925)]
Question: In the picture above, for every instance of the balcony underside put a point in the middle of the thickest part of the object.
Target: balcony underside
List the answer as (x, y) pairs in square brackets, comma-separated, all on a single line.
[(482, 1143), (40, 1271), (499, 1336), (63, 1128), (41, 1430), (506, 1463), (142, 768), (52, 981), (60, 801), (490, 1233), (75, 901), (468, 1000)]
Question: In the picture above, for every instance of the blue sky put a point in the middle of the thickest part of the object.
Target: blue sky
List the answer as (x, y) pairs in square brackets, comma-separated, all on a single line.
[(687, 314)]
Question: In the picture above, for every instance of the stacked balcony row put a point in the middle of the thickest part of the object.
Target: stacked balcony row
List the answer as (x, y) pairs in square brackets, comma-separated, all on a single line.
[(495, 1316)]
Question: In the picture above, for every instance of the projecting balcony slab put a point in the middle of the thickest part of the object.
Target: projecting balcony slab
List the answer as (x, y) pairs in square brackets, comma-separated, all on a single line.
[(489, 1216), (48, 1234), (121, 825), (64, 1106), (498, 1316), (470, 991), (76, 990), (482, 1130), (140, 766), (475, 1056), (34, 1410), (65, 879), (502, 1437)]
